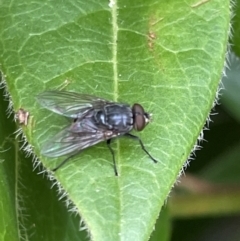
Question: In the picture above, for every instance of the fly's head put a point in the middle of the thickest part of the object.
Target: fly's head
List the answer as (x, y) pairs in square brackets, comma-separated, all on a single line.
[(140, 117)]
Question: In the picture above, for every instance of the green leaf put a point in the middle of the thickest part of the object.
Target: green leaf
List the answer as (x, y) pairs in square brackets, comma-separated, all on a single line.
[(235, 40), (168, 56), (8, 219)]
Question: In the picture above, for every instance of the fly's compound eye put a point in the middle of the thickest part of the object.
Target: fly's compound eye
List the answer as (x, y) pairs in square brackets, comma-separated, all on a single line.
[(139, 117)]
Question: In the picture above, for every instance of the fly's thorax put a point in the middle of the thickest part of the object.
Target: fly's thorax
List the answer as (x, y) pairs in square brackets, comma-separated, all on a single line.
[(117, 117), (140, 117)]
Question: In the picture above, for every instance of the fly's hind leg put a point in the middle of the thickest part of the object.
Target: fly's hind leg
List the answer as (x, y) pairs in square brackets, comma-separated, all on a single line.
[(114, 162), (62, 163)]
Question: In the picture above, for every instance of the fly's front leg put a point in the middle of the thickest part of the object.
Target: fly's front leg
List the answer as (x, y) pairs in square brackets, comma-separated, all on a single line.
[(114, 162), (141, 143)]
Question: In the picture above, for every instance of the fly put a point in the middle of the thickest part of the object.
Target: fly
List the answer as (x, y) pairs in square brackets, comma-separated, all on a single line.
[(93, 120)]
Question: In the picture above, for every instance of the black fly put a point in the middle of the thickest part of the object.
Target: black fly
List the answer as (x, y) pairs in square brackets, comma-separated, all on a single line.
[(94, 120)]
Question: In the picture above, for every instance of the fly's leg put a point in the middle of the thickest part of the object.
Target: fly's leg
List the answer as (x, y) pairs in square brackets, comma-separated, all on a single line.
[(62, 163), (141, 143), (114, 162)]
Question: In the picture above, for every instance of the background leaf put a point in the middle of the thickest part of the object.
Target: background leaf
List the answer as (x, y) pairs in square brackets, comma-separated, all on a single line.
[(230, 98), (168, 56), (8, 219)]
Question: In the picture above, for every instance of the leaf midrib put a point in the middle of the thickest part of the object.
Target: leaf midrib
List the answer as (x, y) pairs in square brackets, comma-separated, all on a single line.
[(115, 90)]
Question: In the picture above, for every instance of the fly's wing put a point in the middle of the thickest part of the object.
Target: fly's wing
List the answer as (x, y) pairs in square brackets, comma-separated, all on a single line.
[(75, 138), (70, 104)]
